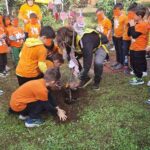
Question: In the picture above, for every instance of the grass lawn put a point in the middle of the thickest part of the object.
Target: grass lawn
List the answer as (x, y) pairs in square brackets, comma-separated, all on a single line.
[(113, 118)]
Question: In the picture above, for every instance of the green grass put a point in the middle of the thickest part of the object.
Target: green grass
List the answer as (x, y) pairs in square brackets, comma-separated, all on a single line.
[(113, 118)]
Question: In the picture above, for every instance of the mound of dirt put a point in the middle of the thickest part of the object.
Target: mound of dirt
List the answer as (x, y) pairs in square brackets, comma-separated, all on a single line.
[(71, 109)]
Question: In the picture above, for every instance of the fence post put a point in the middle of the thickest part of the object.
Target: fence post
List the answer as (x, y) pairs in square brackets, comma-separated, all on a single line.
[(7, 8)]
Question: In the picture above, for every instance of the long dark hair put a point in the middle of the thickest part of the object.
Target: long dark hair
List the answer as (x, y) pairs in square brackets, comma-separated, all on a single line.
[(64, 37)]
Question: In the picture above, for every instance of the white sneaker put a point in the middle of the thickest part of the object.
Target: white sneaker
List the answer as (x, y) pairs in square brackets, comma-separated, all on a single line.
[(131, 73), (21, 117), (7, 68), (148, 83), (1, 92), (2, 75)]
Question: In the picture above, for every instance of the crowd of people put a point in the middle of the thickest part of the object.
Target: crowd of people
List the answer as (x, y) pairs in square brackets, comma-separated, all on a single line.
[(38, 52)]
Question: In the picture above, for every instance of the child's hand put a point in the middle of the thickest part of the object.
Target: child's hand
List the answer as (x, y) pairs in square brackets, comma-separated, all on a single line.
[(132, 23), (61, 114)]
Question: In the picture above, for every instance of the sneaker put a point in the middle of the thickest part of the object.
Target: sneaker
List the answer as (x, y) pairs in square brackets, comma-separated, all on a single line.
[(84, 83), (7, 68), (21, 117), (1, 92), (131, 73), (119, 66), (147, 102), (136, 81), (148, 83), (2, 75), (114, 64), (96, 86), (31, 123), (6, 73)]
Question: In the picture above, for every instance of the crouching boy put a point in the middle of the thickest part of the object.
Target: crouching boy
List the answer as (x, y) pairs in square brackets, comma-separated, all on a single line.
[(34, 97)]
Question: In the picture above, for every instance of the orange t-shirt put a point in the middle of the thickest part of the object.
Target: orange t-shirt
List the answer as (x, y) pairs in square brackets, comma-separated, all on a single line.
[(28, 63), (26, 10), (119, 25), (3, 45), (33, 30), (126, 27), (105, 25), (140, 43), (29, 92), (18, 33)]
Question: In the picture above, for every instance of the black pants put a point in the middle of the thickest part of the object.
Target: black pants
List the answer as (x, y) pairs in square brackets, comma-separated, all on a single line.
[(118, 47), (3, 62), (138, 61), (35, 109), (125, 47), (22, 80)]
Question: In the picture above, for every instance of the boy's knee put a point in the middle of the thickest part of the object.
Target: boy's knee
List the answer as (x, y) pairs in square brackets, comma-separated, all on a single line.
[(98, 64)]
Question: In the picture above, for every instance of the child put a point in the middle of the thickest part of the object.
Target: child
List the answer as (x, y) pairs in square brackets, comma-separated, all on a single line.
[(33, 28), (32, 98), (54, 61), (33, 55), (119, 21), (138, 31), (16, 38), (104, 24), (3, 49), (7, 25), (126, 39)]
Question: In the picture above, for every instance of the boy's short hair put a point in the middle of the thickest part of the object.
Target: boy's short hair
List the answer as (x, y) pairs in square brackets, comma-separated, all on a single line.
[(132, 7), (58, 57), (52, 74), (140, 10), (48, 32), (99, 9), (118, 5), (33, 15)]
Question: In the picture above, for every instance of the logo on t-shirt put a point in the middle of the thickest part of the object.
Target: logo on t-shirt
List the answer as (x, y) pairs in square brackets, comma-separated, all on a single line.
[(34, 30), (116, 23)]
